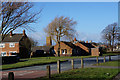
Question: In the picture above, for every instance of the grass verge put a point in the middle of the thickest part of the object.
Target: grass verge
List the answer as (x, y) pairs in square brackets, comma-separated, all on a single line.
[(110, 63), (84, 74)]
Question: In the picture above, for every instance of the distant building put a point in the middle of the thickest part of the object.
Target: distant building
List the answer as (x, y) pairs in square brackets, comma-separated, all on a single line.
[(47, 50), (15, 44), (39, 51), (117, 48)]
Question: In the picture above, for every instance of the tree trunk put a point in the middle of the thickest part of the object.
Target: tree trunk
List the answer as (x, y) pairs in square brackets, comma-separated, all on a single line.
[(113, 37), (112, 43), (58, 49), (59, 46)]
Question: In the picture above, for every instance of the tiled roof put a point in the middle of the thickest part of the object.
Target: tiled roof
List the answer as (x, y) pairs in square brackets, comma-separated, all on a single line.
[(70, 44), (13, 38), (89, 45)]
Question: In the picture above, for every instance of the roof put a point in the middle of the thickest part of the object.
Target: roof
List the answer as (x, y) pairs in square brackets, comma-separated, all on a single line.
[(45, 48), (70, 44), (13, 38), (89, 45)]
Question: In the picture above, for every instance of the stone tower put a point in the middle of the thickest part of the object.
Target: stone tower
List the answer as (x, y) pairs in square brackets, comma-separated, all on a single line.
[(48, 41)]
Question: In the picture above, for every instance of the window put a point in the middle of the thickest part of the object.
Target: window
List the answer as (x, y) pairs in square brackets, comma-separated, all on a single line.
[(12, 53), (11, 44), (3, 53), (64, 51), (2, 45)]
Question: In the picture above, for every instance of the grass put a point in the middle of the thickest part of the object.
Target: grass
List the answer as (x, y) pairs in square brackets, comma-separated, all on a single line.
[(85, 74), (107, 54), (28, 62), (110, 63), (41, 60)]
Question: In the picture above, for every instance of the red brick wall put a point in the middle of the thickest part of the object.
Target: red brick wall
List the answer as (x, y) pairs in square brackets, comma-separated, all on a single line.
[(82, 46), (63, 46), (7, 48), (95, 52)]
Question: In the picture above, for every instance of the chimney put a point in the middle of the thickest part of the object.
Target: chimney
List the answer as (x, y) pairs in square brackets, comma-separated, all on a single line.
[(75, 39), (23, 32), (90, 41), (86, 41), (10, 33), (48, 41)]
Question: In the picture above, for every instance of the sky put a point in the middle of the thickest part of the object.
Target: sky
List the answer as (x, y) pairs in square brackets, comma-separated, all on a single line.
[(91, 17)]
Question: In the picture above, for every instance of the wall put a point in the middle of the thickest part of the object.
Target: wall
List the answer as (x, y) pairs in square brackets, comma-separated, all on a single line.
[(63, 46), (7, 48), (95, 52)]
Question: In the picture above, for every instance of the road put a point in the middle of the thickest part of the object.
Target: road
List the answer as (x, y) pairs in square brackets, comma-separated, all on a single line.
[(67, 65), (88, 62)]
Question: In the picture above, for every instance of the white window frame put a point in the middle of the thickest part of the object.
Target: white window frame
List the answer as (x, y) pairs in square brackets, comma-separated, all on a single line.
[(2, 45), (64, 51), (3, 52), (13, 44)]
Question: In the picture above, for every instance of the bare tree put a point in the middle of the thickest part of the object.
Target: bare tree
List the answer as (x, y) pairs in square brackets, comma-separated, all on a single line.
[(33, 42), (16, 14), (110, 34), (61, 27)]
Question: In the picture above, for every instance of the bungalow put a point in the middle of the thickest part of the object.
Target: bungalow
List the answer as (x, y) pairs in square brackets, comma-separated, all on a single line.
[(77, 48), (15, 44), (85, 46), (66, 49)]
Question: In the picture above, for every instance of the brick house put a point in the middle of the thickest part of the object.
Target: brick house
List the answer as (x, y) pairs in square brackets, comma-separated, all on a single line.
[(66, 49), (85, 47), (77, 48), (15, 44), (89, 48)]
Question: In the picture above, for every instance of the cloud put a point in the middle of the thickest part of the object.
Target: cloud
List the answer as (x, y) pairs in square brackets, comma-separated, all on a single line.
[(89, 36), (38, 36), (84, 36)]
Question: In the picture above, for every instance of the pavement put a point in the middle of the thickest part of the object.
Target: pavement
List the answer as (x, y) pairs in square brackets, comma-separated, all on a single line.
[(32, 74), (25, 75), (117, 77)]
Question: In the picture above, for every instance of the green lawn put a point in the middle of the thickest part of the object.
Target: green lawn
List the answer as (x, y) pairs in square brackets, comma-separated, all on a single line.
[(41, 60), (29, 62), (110, 63), (84, 74), (111, 54)]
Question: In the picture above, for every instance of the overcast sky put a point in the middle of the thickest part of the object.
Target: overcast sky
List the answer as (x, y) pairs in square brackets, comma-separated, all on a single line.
[(92, 18)]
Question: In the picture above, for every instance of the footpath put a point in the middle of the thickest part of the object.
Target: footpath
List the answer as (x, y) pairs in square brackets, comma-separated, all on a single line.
[(31, 74)]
